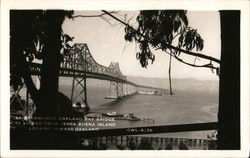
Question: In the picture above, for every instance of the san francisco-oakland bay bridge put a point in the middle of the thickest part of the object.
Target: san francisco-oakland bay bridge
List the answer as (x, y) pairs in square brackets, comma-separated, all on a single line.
[(80, 65)]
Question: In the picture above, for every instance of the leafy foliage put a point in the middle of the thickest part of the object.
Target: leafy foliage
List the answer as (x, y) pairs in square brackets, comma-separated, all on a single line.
[(28, 36), (65, 45), (190, 39), (158, 29)]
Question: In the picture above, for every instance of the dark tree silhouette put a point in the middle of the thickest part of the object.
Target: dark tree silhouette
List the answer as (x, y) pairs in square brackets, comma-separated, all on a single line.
[(229, 96), (161, 29), (158, 29), (37, 34)]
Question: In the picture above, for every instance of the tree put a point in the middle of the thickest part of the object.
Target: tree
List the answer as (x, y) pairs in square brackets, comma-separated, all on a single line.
[(36, 34), (229, 95), (159, 29), (169, 31)]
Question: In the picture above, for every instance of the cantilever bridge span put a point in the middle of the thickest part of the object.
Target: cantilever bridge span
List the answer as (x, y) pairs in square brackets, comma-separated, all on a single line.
[(80, 65)]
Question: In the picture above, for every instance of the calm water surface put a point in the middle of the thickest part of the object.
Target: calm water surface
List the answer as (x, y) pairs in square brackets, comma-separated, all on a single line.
[(189, 106)]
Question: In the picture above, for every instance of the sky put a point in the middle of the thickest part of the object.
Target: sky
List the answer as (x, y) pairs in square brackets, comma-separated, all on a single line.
[(107, 44)]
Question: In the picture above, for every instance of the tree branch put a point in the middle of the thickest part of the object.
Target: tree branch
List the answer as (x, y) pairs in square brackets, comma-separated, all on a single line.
[(93, 16), (195, 54), (170, 46), (87, 16), (193, 65)]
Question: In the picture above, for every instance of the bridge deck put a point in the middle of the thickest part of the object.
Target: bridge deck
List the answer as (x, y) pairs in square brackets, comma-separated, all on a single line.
[(36, 70)]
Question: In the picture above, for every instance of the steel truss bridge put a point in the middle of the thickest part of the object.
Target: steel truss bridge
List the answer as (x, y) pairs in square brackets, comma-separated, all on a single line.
[(80, 65)]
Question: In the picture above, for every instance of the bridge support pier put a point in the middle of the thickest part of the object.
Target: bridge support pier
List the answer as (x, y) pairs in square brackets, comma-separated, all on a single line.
[(126, 90), (80, 96), (116, 90), (132, 90)]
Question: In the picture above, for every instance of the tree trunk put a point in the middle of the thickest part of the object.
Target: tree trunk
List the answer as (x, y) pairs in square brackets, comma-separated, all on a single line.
[(51, 63), (169, 73), (229, 96)]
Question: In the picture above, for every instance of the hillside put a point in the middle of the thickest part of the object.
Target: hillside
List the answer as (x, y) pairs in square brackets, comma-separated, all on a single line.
[(177, 84)]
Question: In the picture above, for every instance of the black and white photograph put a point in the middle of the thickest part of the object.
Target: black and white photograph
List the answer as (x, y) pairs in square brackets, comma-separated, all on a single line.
[(145, 79)]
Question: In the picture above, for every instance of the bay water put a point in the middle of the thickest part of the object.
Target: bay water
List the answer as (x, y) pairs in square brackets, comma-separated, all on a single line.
[(196, 104)]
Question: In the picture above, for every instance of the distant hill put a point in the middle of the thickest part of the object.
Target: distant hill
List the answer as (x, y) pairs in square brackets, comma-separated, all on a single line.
[(177, 83)]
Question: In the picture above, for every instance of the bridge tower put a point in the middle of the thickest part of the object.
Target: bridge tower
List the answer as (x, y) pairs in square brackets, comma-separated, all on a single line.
[(82, 95), (116, 88), (77, 60)]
